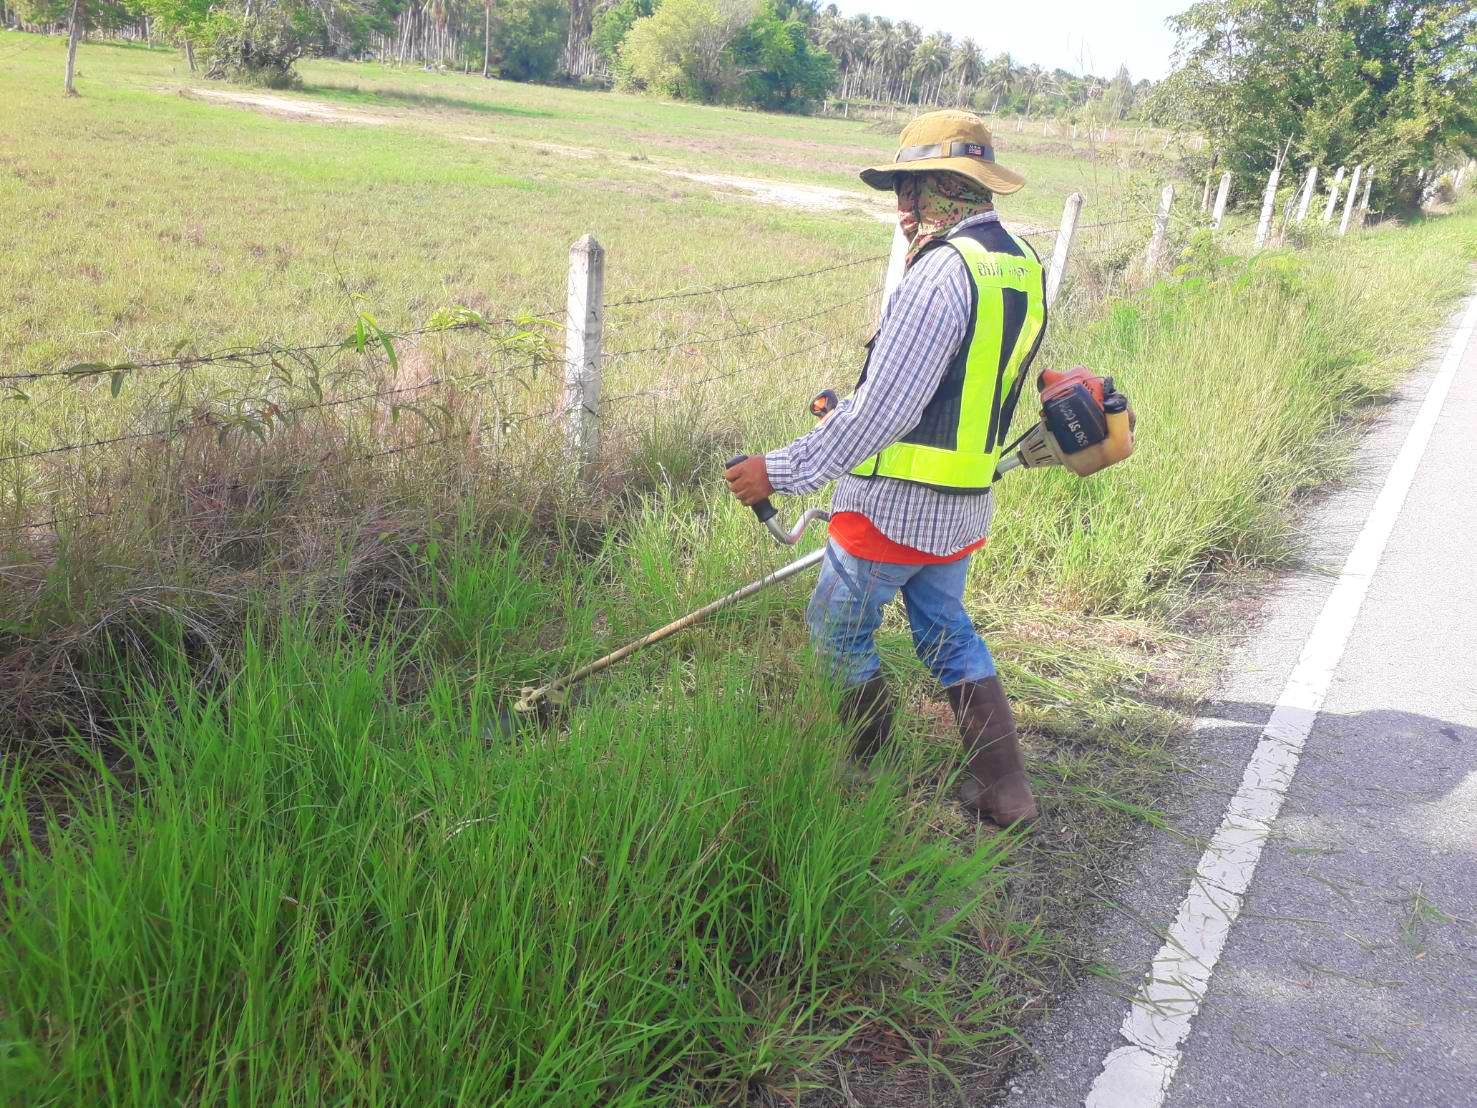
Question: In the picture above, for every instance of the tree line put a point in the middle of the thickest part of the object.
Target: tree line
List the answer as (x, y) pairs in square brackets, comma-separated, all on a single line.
[(775, 54), (1390, 84), (1387, 84)]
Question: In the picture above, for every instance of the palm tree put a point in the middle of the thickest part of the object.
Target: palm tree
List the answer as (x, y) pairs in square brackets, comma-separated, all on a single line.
[(930, 61), (909, 35), (832, 33), (846, 39), (998, 75), (968, 66), (881, 47), (1032, 80)]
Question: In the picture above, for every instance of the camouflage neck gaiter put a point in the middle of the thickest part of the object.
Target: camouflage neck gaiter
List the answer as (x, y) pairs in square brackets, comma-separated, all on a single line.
[(932, 204)]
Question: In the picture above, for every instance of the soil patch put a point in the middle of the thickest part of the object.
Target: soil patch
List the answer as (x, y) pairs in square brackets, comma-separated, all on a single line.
[(788, 194), (581, 152), (286, 106)]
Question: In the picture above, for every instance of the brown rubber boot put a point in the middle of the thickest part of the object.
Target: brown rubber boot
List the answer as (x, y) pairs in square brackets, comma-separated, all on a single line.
[(868, 707), (996, 787)]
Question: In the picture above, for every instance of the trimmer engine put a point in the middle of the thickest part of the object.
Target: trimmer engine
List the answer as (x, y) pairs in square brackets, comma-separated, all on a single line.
[(1086, 425)]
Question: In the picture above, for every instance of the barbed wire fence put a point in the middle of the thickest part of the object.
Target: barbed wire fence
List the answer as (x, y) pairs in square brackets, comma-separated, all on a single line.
[(581, 407)]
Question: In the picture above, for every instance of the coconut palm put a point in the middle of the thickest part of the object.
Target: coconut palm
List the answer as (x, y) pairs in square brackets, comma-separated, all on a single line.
[(849, 39), (930, 62), (998, 75), (839, 38), (909, 36), (895, 57), (967, 67), (880, 46), (1034, 81)]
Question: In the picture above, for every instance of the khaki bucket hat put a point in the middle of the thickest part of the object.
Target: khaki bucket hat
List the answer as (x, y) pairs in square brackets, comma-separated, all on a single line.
[(947, 142)]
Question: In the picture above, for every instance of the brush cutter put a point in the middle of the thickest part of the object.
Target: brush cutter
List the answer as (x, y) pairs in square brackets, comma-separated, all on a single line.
[(532, 699), (1085, 425)]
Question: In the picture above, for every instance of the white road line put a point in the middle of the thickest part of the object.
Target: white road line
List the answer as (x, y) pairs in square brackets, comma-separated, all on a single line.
[(1158, 1021)]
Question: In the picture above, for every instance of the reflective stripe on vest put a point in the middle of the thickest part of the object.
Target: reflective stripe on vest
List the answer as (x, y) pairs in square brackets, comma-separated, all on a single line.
[(962, 458)]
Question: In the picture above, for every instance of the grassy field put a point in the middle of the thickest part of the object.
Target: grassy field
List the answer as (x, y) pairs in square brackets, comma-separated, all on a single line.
[(225, 223), (261, 841)]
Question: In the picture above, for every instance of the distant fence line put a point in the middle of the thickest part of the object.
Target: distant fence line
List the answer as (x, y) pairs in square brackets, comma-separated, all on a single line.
[(583, 403)]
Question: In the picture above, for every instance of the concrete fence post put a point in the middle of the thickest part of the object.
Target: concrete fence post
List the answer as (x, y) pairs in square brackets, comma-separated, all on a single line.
[(1070, 211), (1269, 206), (1307, 197), (1221, 195), (1333, 195), (1288, 206), (1364, 203), (584, 323), (1430, 182), (1349, 200), (1161, 228)]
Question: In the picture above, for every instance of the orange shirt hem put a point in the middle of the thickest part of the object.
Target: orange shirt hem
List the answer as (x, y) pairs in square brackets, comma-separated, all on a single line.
[(859, 537)]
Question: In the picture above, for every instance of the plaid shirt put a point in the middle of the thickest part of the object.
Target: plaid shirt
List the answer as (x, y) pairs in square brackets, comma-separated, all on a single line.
[(922, 326)]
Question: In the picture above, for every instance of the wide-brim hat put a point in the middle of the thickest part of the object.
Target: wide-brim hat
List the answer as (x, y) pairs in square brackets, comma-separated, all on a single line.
[(947, 142)]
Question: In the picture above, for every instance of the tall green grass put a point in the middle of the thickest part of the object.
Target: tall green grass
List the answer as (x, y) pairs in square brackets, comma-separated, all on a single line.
[(293, 861), (316, 882), (306, 868), (1250, 376)]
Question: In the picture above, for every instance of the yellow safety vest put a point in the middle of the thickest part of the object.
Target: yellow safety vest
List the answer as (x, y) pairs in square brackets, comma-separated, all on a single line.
[(957, 441)]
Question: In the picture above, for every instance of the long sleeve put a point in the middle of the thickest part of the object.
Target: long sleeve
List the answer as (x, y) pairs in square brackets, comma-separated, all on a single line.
[(922, 327)]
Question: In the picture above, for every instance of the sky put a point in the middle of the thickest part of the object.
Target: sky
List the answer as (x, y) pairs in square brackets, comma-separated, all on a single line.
[(1077, 35)]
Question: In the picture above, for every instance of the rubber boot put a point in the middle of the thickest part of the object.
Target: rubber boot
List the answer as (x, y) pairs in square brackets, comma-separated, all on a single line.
[(995, 787), (868, 707)]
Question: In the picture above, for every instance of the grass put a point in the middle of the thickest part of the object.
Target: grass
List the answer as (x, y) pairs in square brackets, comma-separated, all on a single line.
[(1250, 371), (443, 203), (261, 841), (615, 918)]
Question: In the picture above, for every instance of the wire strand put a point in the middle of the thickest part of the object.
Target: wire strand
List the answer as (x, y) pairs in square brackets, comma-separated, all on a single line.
[(686, 294), (748, 332), (247, 355)]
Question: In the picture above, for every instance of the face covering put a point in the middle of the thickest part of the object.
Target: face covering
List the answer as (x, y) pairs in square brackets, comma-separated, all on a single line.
[(932, 204)]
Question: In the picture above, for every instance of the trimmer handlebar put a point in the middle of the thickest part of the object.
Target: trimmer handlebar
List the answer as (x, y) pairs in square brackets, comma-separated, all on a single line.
[(824, 404), (764, 509), (766, 513)]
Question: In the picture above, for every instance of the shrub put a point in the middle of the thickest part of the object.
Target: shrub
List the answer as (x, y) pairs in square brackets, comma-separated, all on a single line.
[(528, 38), (780, 68), (257, 49), (682, 50)]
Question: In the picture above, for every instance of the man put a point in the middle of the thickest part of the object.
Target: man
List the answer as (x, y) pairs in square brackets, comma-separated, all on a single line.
[(915, 449)]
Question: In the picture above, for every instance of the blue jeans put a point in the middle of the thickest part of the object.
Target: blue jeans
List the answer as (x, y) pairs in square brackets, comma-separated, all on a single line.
[(846, 610)]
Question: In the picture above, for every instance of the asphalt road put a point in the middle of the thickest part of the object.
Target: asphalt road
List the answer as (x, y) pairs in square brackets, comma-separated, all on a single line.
[(1348, 975)]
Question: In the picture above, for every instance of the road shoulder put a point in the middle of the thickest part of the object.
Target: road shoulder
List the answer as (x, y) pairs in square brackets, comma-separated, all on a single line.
[(1069, 1046)]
